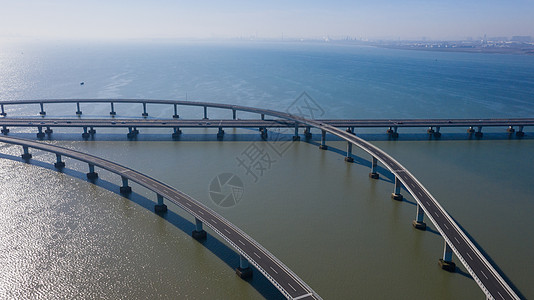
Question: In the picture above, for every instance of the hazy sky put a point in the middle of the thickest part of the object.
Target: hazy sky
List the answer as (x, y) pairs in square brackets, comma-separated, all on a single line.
[(405, 19)]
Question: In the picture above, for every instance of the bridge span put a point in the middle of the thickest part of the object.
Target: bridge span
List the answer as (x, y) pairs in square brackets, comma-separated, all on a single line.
[(455, 239)]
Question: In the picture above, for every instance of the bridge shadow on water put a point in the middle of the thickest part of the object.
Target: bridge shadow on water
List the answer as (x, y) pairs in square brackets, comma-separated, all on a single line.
[(224, 252)]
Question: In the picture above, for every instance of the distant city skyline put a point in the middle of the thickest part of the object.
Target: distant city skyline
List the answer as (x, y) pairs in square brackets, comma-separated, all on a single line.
[(167, 19)]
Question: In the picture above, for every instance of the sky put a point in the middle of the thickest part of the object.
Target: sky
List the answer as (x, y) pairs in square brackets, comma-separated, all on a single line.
[(171, 19)]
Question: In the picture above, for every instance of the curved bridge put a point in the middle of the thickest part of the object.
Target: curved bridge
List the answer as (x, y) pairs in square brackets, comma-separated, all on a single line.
[(455, 240)]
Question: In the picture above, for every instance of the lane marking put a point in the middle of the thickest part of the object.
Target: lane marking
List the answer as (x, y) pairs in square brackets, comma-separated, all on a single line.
[(227, 231), (303, 296), (200, 212), (189, 204), (484, 274), (469, 256), (500, 295), (273, 269), (241, 242), (457, 242), (446, 226), (256, 255), (213, 221), (436, 214), (291, 286)]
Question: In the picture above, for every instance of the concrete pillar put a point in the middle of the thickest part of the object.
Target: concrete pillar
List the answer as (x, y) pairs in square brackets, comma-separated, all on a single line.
[(26, 153), (144, 114), (40, 134), (446, 262), (205, 112), (42, 112), (263, 131), (470, 130), (59, 164), (244, 271), (520, 132), (396, 195), (437, 134), (92, 174), (177, 132), (125, 188), (85, 134), (5, 130), (418, 222), (349, 158), (175, 116), (263, 116), (78, 110), (392, 131), (296, 137), (510, 129), (220, 133), (307, 132), (112, 112), (199, 233), (160, 207), (234, 114), (374, 174), (479, 132), (3, 113), (132, 132), (430, 130), (92, 131), (48, 130), (323, 145)]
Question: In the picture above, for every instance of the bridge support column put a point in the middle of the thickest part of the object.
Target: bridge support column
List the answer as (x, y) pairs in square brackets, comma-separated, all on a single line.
[(177, 132), (446, 262), (199, 233), (5, 130), (132, 132), (437, 134), (350, 130), (112, 112), (42, 112), (263, 131), (244, 271), (220, 133), (430, 130), (323, 145), (3, 113), (234, 114), (92, 131), (144, 114), (48, 130), (59, 164), (418, 222), (296, 137), (396, 195), (175, 116), (92, 175), (307, 133), (470, 130), (160, 207), (510, 129), (78, 110), (205, 112), (479, 132), (349, 158), (520, 132), (85, 134), (263, 116), (374, 174), (125, 188), (26, 153), (392, 131), (40, 134)]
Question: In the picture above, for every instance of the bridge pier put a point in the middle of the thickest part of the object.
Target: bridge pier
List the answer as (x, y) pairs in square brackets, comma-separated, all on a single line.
[(125, 188), (26, 155), (5, 130), (144, 114), (437, 134), (160, 207), (263, 116), (392, 131), (234, 114), (112, 112), (175, 116), (418, 222), (92, 131), (3, 113), (430, 130), (205, 113), (85, 134), (78, 110), (132, 132), (42, 112), (470, 130), (446, 262), (48, 130), (59, 164), (220, 133), (510, 129), (177, 132), (243, 271), (40, 134), (520, 132), (374, 174), (263, 132), (307, 132), (323, 145), (92, 175), (350, 130), (296, 137), (479, 133), (396, 195), (349, 158), (199, 233)]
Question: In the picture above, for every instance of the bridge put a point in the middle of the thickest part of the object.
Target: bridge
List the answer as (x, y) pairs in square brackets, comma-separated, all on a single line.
[(455, 239)]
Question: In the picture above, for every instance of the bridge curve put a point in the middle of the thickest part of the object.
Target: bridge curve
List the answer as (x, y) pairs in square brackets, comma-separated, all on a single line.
[(455, 240), (287, 282)]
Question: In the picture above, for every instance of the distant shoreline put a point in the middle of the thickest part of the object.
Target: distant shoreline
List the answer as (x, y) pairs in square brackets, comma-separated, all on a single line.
[(511, 51)]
